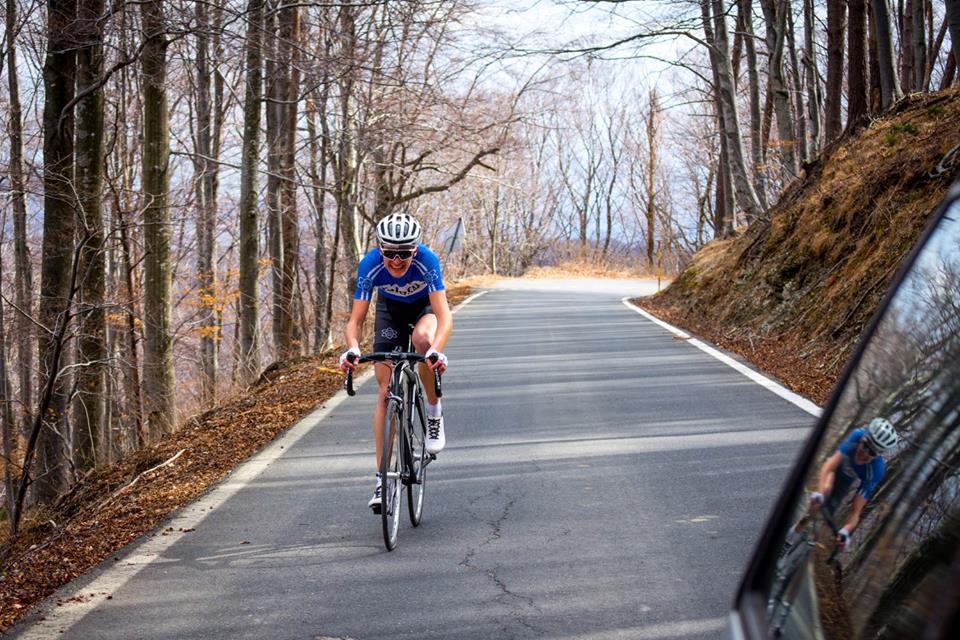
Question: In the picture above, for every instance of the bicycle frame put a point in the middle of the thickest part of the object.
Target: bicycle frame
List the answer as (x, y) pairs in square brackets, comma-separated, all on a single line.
[(790, 576), (400, 467)]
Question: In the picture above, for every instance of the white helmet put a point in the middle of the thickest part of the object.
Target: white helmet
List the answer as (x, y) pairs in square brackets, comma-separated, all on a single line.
[(398, 229), (881, 434)]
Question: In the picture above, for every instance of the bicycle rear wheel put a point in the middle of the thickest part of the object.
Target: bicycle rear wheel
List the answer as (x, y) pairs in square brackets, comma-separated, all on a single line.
[(390, 476), (416, 438)]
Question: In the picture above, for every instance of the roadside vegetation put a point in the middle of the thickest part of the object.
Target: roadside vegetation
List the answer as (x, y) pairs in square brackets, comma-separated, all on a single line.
[(794, 293)]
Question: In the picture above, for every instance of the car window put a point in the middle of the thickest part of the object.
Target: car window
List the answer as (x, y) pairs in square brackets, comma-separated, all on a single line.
[(899, 501)]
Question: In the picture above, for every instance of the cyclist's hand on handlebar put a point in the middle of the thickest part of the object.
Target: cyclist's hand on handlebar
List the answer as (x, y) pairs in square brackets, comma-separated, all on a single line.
[(440, 364), (843, 539), (348, 359)]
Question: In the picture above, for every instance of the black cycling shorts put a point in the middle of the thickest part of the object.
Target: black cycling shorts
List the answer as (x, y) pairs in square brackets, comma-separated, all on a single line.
[(392, 327)]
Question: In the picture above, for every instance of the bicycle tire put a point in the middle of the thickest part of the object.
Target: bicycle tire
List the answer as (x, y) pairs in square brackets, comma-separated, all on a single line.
[(390, 476), (416, 434)]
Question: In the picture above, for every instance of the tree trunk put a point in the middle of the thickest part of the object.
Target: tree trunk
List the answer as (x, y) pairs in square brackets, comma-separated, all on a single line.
[(889, 84), (276, 95), (919, 45), (756, 148), (651, 173), (953, 20), (347, 164), (797, 78), (835, 16), (905, 22), (90, 407), (23, 277), (289, 42), (319, 152), (814, 95), (857, 69), (158, 373), (7, 420), (746, 197), (776, 17), (59, 227), (206, 207), (249, 254), (875, 92)]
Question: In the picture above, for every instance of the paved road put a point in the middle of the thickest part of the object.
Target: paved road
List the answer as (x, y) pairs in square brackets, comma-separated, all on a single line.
[(601, 480)]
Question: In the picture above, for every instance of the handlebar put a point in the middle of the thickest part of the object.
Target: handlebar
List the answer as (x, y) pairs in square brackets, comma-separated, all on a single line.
[(391, 356)]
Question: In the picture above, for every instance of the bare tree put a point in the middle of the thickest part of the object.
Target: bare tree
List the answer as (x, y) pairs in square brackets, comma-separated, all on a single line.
[(776, 18), (857, 107), (249, 252), (745, 8), (206, 204), (23, 268), (889, 84), (651, 170), (59, 227), (717, 40), (918, 44), (836, 10), (8, 423), (953, 20), (90, 406), (158, 373), (814, 95)]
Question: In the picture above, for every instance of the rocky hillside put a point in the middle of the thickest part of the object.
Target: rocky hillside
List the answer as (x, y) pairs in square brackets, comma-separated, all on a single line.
[(794, 293)]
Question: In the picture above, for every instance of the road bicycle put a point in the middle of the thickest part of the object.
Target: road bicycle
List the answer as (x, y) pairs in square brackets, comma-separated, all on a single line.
[(792, 569), (404, 458)]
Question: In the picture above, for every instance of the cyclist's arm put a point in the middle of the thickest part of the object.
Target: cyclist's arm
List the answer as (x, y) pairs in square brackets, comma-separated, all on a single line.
[(357, 313), (856, 507), (438, 302), (828, 473)]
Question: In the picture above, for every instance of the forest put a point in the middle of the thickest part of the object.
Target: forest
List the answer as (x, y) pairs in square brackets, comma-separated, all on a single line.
[(187, 186)]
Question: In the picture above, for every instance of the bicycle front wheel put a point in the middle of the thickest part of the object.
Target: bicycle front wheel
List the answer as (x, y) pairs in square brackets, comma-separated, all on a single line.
[(390, 476), (416, 437)]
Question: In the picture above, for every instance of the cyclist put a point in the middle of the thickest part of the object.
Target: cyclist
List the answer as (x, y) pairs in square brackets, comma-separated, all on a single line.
[(857, 459), (407, 275)]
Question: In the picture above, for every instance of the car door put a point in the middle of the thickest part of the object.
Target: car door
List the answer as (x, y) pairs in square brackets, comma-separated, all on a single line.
[(899, 577)]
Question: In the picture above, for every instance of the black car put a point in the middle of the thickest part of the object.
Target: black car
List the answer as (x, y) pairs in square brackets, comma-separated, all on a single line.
[(895, 573)]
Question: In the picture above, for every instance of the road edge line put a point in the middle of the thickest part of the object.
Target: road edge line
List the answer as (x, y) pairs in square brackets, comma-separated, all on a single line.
[(775, 387), (64, 608)]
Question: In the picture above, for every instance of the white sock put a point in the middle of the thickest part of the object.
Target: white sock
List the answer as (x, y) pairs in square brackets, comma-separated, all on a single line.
[(434, 410), (792, 536)]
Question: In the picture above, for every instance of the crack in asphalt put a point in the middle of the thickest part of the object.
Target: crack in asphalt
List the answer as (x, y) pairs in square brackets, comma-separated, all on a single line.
[(519, 604)]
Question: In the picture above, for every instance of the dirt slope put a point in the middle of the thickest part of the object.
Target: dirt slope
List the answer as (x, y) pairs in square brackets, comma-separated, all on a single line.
[(794, 293)]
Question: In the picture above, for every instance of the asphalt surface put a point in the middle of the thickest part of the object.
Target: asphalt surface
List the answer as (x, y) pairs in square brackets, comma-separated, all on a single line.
[(602, 479)]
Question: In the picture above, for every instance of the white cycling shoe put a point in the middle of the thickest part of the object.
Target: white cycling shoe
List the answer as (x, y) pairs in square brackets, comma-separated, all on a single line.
[(376, 502), (436, 439)]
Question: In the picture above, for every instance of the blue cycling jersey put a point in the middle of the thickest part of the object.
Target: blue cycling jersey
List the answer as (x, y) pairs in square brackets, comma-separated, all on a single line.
[(848, 471), (421, 279)]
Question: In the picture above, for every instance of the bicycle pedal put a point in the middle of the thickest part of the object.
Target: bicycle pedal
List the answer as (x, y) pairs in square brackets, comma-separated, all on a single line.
[(433, 456)]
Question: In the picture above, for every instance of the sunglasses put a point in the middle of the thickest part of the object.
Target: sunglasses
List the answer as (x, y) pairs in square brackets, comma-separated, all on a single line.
[(870, 451), (390, 254)]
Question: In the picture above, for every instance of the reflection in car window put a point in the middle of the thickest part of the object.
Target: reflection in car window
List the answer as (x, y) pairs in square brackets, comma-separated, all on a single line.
[(900, 565)]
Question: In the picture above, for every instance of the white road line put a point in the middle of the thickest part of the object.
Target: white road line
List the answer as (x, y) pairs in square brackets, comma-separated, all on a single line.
[(77, 601), (658, 631), (760, 379), (469, 299)]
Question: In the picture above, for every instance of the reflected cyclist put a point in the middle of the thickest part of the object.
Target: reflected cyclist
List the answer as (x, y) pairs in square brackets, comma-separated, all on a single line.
[(859, 459), (407, 275)]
